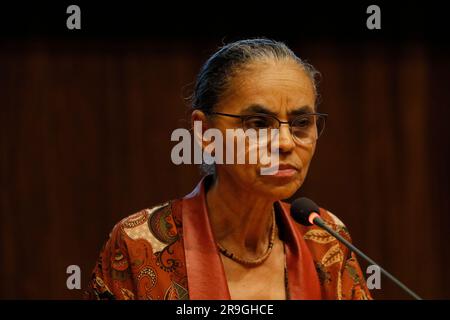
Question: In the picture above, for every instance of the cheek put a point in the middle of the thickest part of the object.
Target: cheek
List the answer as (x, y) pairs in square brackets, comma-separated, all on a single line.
[(242, 175), (305, 155)]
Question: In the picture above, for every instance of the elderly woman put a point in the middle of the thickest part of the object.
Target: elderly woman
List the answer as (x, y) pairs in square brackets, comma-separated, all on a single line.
[(232, 237)]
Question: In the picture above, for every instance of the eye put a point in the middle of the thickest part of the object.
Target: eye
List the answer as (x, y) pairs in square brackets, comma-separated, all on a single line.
[(303, 122), (259, 122)]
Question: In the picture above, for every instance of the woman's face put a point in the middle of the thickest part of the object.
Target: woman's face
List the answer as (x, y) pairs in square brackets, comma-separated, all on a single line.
[(281, 88)]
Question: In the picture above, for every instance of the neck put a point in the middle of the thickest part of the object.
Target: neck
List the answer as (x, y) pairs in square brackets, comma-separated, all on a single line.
[(241, 221)]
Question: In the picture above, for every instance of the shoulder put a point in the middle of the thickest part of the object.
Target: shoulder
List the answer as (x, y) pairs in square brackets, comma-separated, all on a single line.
[(335, 223), (141, 251), (316, 236), (333, 219), (158, 225)]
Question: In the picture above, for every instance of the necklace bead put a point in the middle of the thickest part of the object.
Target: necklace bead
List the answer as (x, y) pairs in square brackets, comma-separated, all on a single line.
[(254, 262)]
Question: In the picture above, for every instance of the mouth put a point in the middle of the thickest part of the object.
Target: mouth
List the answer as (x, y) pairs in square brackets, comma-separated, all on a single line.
[(285, 170)]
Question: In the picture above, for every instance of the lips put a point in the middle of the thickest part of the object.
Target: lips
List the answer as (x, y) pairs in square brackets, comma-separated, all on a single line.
[(285, 170), (286, 166)]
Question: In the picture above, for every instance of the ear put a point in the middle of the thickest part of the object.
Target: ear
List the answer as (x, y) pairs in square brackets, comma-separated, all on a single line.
[(198, 115)]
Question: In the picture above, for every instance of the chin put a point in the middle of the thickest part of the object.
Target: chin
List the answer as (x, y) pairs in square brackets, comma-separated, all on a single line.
[(279, 191)]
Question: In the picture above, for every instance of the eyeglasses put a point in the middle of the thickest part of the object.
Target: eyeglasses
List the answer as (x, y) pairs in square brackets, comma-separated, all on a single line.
[(305, 128)]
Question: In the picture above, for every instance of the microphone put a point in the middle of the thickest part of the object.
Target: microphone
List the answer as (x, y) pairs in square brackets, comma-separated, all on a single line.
[(306, 212)]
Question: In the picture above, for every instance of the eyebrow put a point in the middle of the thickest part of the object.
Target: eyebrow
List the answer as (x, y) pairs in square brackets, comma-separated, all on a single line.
[(300, 111), (257, 108)]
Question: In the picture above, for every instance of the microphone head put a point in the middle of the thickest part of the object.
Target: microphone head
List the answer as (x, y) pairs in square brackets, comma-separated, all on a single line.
[(302, 208)]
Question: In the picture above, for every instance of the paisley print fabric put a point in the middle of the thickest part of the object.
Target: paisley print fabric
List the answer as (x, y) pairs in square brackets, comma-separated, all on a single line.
[(145, 258)]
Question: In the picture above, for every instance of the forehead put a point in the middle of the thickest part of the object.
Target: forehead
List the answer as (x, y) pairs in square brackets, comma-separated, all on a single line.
[(280, 86)]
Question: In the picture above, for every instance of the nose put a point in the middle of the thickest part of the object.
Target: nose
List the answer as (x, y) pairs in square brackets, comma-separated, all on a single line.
[(286, 140)]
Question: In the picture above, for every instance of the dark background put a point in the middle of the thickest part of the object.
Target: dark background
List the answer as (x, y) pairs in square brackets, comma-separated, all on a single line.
[(86, 117)]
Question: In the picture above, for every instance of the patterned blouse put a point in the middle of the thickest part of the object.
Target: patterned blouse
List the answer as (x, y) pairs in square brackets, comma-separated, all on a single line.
[(168, 252)]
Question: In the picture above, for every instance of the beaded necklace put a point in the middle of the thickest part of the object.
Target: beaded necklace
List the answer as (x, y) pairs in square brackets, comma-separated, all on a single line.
[(257, 261)]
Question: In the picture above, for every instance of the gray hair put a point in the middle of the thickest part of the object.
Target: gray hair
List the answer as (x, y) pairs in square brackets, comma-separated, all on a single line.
[(216, 74)]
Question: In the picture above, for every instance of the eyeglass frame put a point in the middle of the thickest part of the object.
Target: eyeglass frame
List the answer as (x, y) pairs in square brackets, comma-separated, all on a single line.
[(243, 117)]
